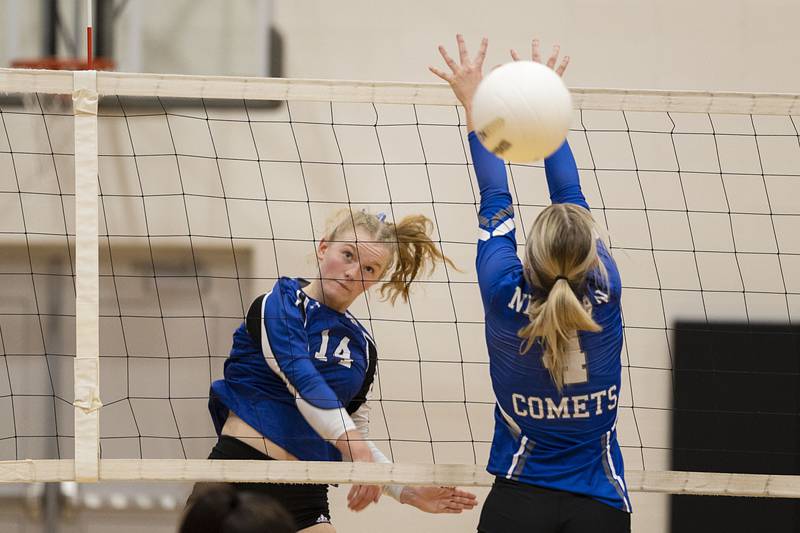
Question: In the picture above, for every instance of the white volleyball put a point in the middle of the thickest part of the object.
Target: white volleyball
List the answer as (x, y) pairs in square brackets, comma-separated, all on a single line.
[(522, 111)]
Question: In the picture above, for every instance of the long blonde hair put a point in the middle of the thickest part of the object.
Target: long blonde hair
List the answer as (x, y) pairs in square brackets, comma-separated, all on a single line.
[(412, 252), (561, 249)]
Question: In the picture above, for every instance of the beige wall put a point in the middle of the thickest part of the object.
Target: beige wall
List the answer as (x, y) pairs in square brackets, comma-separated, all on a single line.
[(741, 45), (745, 45)]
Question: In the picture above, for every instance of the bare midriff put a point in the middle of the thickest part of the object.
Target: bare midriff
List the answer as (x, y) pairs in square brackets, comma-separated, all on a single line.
[(236, 427)]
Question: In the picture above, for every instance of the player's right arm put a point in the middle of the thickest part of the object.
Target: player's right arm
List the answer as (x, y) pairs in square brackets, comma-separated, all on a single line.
[(284, 342), (563, 180)]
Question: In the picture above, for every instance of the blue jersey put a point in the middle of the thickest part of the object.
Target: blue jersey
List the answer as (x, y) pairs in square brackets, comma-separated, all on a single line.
[(296, 373), (564, 440)]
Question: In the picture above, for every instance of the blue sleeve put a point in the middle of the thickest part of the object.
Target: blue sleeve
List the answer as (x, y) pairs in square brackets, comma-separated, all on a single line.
[(497, 244), (284, 322), (562, 178)]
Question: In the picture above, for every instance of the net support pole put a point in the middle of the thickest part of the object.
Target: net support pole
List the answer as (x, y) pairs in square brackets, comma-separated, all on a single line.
[(11, 33), (87, 320), (89, 37)]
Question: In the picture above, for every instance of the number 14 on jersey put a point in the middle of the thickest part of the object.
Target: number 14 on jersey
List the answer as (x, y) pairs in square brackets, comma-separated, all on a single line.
[(342, 351)]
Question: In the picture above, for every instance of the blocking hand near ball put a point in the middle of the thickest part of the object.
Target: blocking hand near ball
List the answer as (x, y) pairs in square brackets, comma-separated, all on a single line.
[(521, 112), (551, 62), (466, 75)]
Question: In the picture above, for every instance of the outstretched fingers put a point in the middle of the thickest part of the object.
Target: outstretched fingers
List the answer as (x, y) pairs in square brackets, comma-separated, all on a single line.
[(447, 59), (563, 66), (535, 53), (445, 76), (462, 49), (551, 62), (464, 77), (481, 53)]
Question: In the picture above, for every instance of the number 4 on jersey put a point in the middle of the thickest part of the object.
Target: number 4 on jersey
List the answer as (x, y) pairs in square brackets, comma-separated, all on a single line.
[(575, 370), (342, 352)]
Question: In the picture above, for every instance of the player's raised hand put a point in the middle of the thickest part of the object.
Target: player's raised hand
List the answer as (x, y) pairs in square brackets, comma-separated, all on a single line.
[(465, 75), (551, 61)]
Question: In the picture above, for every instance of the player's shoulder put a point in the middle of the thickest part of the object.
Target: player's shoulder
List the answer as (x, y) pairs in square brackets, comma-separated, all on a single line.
[(512, 290), (287, 295), (282, 288), (605, 286), (287, 285), (291, 289), (614, 280)]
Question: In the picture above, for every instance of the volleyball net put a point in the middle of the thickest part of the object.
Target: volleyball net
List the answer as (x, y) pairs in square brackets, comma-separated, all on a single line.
[(142, 214)]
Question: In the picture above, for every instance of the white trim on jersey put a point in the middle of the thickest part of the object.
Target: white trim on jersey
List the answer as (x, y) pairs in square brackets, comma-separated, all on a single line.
[(329, 423), (517, 455), (506, 227), (510, 421), (614, 474)]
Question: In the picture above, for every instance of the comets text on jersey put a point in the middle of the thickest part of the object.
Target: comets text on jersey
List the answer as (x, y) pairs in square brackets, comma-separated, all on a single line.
[(578, 406)]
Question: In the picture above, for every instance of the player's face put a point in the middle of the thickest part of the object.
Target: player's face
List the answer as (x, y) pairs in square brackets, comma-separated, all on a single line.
[(349, 266)]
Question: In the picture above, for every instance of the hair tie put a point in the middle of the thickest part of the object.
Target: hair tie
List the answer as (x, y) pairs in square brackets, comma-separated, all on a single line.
[(561, 277), (381, 217)]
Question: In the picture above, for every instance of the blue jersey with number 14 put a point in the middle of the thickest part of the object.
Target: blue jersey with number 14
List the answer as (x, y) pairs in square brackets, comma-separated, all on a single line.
[(297, 371), (564, 440)]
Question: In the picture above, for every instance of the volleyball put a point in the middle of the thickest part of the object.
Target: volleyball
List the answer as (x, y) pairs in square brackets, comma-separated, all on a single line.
[(522, 111)]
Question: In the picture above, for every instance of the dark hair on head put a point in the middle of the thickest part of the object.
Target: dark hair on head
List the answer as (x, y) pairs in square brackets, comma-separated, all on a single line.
[(220, 508)]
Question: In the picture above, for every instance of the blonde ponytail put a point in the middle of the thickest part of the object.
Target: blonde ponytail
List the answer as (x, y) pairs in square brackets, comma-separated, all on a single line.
[(416, 253), (560, 251)]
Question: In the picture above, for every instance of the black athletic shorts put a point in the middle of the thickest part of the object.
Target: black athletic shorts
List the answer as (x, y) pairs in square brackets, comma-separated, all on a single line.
[(519, 507), (308, 504)]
